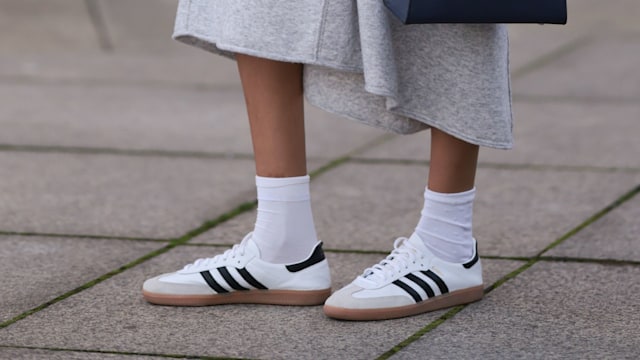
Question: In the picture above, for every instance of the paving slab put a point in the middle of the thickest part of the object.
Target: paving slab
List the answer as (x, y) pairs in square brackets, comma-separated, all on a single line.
[(352, 214), (520, 212), (142, 118), (118, 195), (529, 43), (37, 269), (563, 134), (139, 25), (187, 68), (413, 147), (112, 316), (124, 117), (20, 353), (548, 133), (616, 16), (614, 236), (551, 311), (586, 18), (581, 74), (34, 26)]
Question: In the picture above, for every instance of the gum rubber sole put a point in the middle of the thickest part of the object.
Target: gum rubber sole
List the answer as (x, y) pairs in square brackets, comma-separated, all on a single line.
[(271, 297), (454, 298)]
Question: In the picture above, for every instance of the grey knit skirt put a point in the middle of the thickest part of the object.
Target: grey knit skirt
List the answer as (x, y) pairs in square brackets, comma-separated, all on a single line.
[(362, 63)]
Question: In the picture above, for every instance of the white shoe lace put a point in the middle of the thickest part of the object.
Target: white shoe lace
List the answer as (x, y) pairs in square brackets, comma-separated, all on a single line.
[(400, 258), (235, 251)]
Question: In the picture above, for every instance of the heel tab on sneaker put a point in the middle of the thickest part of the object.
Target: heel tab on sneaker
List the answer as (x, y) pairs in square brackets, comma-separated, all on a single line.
[(475, 259), (316, 257)]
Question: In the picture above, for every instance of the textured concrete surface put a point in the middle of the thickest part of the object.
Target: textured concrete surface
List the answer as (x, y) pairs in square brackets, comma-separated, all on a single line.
[(111, 128), (549, 133), (61, 265), (556, 202), (568, 76), (189, 68), (49, 28), (275, 332), (116, 195), (518, 213), (551, 311), (559, 134), (18, 353), (614, 236), (120, 117)]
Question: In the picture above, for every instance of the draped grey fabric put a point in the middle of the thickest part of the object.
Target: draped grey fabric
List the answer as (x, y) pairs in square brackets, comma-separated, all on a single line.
[(363, 64)]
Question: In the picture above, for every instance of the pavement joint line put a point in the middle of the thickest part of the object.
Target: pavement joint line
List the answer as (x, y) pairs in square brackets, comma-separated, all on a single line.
[(80, 236), (566, 259), (618, 202), (352, 157), (455, 310), (584, 100), (32, 80), (206, 226), (330, 166), (207, 245), (172, 244), (615, 262), (488, 257), (99, 25), (611, 262), (326, 250), (357, 251), (125, 353), (80, 150), (451, 313), (418, 334), (502, 166), (551, 56), (506, 258)]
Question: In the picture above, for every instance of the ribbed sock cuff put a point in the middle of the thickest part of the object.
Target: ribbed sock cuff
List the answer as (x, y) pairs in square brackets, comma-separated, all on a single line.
[(283, 189)]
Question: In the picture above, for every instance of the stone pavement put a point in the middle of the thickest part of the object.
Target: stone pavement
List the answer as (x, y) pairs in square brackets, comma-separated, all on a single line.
[(125, 154)]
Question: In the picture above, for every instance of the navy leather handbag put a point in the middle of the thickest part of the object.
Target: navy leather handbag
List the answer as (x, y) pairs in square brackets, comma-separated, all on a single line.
[(479, 11)]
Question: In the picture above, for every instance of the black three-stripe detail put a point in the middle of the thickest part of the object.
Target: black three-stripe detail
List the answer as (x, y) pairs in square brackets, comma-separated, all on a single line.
[(316, 257), (250, 279), (472, 261), (436, 279), (213, 283), (229, 279), (422, 284), (408, 289)]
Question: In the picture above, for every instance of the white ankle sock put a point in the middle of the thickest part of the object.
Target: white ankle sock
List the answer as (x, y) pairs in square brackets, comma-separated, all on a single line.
[(445, 225), (284, 230)]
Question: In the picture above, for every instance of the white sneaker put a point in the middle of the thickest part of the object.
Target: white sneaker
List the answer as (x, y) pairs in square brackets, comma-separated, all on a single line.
[(239, 276), (410, 281)]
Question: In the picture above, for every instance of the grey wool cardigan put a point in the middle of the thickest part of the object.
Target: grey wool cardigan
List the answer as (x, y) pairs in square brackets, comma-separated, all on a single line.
[(362, 63)]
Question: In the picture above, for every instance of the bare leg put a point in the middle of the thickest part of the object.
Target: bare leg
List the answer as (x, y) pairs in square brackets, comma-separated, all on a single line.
[(453, 163), (284, 230), (273, 94)]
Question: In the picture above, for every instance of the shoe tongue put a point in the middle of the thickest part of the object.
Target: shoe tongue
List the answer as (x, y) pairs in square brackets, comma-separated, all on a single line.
[(252, 247), (415, 241)]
